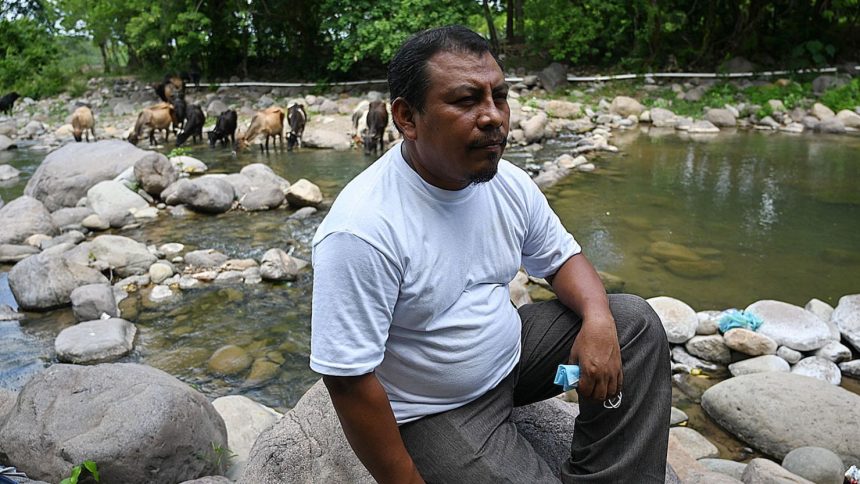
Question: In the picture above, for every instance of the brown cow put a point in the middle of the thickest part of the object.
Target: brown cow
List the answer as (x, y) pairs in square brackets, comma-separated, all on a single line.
[(156, 117), (269, 122), (83, 123)]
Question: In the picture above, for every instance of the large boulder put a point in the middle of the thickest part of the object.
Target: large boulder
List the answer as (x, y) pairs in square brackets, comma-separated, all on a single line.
[(849, 118), (534, 128), (303, 193), (208, 194), (763, 471), (24, 217), (816, 464), (553, 77), (121, 255), (326, 139), (308, 444), (245, 420), (663, 118), (91, 301), (66, 174), (277, 265), (563, 109), (70, 216), (113, 202), (679, 320), (261, 175), (722, 118), (264, 198), (846, 317), (155, 173), (625, 106), (790, 325), (778, 412), (46, 280), (97, 341), (138, 423)]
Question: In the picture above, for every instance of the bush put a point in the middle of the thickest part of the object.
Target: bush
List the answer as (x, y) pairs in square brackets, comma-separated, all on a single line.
[(30, 63), (843, 97)]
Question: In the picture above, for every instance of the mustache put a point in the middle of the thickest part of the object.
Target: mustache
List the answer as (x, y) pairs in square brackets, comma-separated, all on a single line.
[(489, 139)]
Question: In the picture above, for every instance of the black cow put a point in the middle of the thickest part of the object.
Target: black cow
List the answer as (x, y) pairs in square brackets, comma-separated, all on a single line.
[(7, 101), (377, 121), (225, 128), (193, 127), (179, 111), (297, 118)]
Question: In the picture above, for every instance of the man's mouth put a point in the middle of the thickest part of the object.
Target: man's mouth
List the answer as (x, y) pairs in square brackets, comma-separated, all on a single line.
[(491, 143)]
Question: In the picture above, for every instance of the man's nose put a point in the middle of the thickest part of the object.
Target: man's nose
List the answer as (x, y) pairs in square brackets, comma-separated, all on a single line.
[(491, 115)]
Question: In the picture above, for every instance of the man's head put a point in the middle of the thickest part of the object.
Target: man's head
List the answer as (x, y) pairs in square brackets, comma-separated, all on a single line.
[(450, 103)]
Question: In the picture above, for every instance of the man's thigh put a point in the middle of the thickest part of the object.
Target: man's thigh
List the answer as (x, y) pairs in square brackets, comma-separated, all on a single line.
[(476, 443)]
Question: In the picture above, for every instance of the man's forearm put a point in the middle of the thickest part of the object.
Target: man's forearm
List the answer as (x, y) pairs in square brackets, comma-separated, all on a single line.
[(578, 286), (368, 422)]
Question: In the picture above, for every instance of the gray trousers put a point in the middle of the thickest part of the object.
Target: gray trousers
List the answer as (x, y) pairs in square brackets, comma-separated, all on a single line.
[(478, 443)]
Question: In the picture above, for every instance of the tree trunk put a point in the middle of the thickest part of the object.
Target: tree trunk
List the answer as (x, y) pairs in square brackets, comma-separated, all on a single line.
[(105, 62), (494, 37), (520, 21)]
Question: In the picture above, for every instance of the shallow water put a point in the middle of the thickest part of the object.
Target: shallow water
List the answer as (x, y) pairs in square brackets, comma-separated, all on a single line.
[(778, 213)]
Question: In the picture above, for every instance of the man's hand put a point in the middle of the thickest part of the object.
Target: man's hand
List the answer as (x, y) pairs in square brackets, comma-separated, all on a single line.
[(596, 348), (598, 355)]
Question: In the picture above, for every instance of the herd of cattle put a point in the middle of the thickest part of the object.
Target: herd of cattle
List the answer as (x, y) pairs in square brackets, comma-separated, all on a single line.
[(173, 114)]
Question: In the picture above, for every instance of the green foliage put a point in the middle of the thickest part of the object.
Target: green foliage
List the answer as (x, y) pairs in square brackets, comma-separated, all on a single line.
[(180, 151), (30, 63), (220, 457), (843, 97), (87, 465)]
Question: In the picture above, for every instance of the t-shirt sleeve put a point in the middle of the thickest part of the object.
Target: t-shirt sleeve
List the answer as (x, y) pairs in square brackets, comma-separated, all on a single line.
[(355, 290), (547, 243)]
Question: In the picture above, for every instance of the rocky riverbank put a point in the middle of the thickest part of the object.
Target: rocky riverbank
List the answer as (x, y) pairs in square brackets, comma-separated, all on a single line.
[(787, 370)]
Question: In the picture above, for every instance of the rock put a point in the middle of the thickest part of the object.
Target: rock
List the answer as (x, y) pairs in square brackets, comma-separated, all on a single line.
[(94, 222), (663, 118), (759, 364), (703, 127), (8, 172), (851, 368), (680, 355), (563, 109), (846, 317), (7, 401), (66, 174), (831, 125), (679, 320), (304, 194), (171, 249), (768, 122), (553, 77), (725, 466), (205, 258), (779, 412), (187, 164), (210, 480), (161, 293), (207, 194), (123, 108), (709, 322), (122, 255), (749, 342), (763, 471), (70, 216), (308, 445), (262, 370), (825, 82), (265, 198), (215, 108), (824, 311), (790, 325), (112, 202), (261, 175), (834, 351), (816, 464), (15, 253), (277, 265), (818, 368), (822, 112), (682, 462), (6, 143), (694, 443), (722, 118), (665, 251), (626, 106), (326, 139), (534, 129), (69, 413), (89, 302), (788, 354), (160, 271), (710, 348), (776, 106), (229, 277), (696, 269), (46, 280), (849, 118), (97, 341), (245, 419), (677, 416), (155, 173), (229, 360), (23, 217)]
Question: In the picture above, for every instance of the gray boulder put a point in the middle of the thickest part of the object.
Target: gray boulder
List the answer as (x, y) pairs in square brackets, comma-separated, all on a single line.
[(65, 217), (245, 419), (263, 198), (763, 471), (208, 194), (261, 175), (625, 106), (846, 317), (534, 129), (155, 173), (242, 185), (303, 193), (834, 351), (138, 423), (725, 466), (121, 255), (722, 118), (790, 325), (66, 174), (679, 320), (215, 108), (831, 125), (759, 364), (113, 202), (825, 82), (778, 412), (850, 368), (816, 464), (89, 302), (824, 312), (553, 77), (710, 348), (98, 341), (24, 217), (694, 443), (8, 172), (788, 354), (16, 252), (277, 265), (205, 258), (663, 118), (749, 342), (818, 368), (6, 143), (326, 139), (46, 280)]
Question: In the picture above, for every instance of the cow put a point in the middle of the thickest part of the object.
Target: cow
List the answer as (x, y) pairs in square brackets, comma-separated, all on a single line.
[(193, 126), (377, 121), (83, 123), (225, 128), (269, 122), (297, 118), (7, 101), (156, 117)]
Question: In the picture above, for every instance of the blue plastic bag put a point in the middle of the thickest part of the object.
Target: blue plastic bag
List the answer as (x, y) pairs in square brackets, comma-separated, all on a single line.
[(567, 376), (734, 318)]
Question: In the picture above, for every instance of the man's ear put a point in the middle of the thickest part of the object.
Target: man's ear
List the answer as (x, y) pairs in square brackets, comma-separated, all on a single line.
[(404, 118)]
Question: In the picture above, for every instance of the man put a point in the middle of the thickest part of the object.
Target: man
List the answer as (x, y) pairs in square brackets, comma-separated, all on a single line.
[(421, 350)]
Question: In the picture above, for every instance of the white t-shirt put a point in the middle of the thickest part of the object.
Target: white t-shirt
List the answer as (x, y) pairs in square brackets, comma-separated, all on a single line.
[(411, 281)]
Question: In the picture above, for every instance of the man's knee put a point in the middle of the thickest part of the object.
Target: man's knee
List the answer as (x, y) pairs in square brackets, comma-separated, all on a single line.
[(636, 319)]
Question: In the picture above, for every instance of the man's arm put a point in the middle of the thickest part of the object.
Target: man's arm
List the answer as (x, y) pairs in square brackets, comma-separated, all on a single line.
[(596, 348), (368, 422)]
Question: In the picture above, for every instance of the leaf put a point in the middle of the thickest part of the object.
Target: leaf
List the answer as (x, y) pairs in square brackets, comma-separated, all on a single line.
[(91, 466)]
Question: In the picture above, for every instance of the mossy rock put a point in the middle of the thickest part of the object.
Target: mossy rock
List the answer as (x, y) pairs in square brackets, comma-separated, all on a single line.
[(229, 360), (697, 269), (667, 251)]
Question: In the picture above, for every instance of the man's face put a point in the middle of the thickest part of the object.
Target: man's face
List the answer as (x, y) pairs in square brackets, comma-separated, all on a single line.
[(462, 133)]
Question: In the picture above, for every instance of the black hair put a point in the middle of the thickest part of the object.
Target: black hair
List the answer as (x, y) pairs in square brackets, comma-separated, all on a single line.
[(407, 71)]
